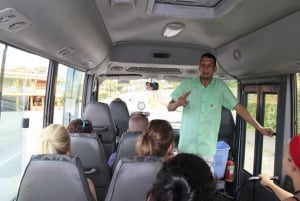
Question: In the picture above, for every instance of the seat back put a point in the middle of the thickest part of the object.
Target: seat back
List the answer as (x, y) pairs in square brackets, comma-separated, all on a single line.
[(100, 116), (90, 151), (133, 178), (51, 177), (126, 147), (227, 127), (120, 115)]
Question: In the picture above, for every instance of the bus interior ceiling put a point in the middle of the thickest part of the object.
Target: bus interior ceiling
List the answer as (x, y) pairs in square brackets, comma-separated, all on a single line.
[(127, 37)]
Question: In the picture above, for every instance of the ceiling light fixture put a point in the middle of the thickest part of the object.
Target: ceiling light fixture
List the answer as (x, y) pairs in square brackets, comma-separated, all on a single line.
[(116, 68), (122, 4), (237, 55), (88, 64), (173, 29)]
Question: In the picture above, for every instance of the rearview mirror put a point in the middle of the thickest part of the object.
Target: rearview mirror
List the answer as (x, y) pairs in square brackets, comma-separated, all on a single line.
[(152, 85)]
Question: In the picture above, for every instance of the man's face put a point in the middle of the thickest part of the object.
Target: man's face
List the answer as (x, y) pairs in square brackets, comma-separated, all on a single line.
[(207, 68)]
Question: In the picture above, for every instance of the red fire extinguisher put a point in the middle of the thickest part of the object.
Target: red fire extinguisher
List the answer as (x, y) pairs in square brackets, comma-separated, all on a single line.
[(229, 173)]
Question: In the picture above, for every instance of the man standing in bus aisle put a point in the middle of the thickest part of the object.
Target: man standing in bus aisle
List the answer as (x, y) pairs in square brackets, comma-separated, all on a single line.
[(202, 100)]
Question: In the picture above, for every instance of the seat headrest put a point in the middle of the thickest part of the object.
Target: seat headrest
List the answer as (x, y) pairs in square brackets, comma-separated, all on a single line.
[(91, 153), (126, 146), (119, 107), (100, 116), (85, 135), (98, 113), (54, 177), (133, 178), (120, 115)]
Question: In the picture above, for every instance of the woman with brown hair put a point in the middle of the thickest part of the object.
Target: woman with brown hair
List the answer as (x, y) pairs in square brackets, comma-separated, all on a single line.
[(157, 140), (80, 126)]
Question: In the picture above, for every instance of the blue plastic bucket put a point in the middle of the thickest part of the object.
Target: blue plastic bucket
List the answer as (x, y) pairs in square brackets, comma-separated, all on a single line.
[(220, 159)]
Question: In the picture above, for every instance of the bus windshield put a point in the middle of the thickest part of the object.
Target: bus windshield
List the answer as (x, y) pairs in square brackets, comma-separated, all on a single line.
[(139, 99)]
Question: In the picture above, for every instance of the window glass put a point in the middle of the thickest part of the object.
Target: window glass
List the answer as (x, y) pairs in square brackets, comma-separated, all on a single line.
[(22, 107), (68, 97), (250, 134), (270, 116), (137, 98), (155, 102)]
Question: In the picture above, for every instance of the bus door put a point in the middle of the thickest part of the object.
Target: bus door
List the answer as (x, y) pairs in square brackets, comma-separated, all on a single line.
[(257, 153)]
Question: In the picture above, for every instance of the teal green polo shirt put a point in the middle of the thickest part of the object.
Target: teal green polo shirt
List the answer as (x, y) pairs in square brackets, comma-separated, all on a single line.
[(201, 118)]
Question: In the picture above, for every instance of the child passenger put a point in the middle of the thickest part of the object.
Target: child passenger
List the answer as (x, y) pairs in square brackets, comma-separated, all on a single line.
[(56, 140), (80, 126), (291, 166), (136, 123)]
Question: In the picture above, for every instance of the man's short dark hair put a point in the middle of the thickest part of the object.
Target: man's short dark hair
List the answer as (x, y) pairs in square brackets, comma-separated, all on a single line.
[(209, 55)]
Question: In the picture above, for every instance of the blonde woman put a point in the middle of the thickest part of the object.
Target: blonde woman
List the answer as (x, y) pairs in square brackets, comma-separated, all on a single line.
[(157, 140), (56, 140)]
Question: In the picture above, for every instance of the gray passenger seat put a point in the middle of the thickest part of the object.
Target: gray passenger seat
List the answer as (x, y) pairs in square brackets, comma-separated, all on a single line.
[(100, 116), (227, 128), (120, 115), (132, 178), (56, 177), (89, 149), (126, 146)]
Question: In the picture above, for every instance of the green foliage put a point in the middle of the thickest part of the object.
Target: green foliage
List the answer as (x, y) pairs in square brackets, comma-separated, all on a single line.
[(270, 114)]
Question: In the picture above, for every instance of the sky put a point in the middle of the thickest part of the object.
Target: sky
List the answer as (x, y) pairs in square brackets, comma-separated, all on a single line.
[(17, 58)]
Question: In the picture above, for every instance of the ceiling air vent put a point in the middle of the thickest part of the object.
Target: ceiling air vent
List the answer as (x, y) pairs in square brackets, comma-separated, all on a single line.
[(154, 70), (66, 51), (192, 71), (13, 21)]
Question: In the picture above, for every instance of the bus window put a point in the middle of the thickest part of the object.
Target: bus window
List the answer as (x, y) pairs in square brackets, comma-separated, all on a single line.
[(137, 98), (22, 102), (154, 102), (270, 116), (262, 103), (68, 97), (250, 134)]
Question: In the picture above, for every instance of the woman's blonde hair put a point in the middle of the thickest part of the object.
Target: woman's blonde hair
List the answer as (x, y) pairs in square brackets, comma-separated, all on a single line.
[(55, 140), (156, 140)]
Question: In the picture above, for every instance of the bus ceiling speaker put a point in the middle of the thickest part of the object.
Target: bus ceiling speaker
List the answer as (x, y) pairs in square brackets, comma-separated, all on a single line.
[(122, 4)]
